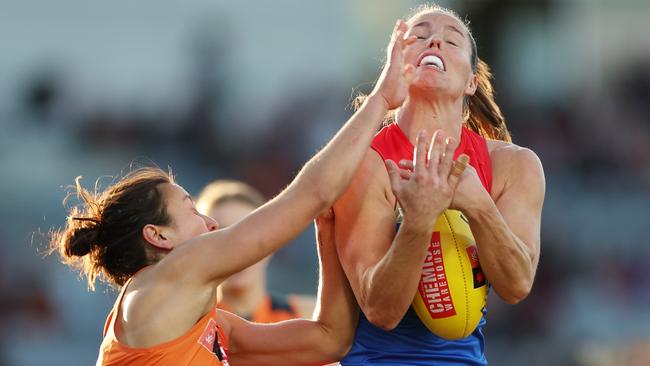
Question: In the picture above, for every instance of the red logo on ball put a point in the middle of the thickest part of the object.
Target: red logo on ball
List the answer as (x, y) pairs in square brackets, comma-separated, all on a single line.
[(433, 286)]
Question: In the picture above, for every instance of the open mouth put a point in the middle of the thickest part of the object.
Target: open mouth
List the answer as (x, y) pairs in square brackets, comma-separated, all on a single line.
[(432, 61)]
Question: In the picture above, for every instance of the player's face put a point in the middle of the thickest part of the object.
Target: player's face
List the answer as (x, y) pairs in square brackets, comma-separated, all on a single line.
[(441, 54), (186, 221)]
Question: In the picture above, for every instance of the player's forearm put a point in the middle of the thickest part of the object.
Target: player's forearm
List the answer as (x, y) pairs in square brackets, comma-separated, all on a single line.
[(505, 259), (325, 339), (291, 342), (336, 309), (391, 284), (329, 172)]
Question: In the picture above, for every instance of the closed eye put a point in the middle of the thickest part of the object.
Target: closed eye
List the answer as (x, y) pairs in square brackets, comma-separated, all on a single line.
[(452, 43)]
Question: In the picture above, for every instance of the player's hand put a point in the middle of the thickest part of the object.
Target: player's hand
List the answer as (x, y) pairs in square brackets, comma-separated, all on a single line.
[(425, 187), (393, 83), (470, 191)]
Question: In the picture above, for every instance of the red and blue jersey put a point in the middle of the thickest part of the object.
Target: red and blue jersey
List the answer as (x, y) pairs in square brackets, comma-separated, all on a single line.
[(411, 343)]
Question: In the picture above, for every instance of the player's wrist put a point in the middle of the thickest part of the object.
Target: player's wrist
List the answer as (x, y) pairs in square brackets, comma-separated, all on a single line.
[(377, 99), (417, 225)]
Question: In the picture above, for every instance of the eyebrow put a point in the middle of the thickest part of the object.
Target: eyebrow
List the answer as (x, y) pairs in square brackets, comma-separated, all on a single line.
[(422, 24), (453, 28), (188, 197), (449, 26)]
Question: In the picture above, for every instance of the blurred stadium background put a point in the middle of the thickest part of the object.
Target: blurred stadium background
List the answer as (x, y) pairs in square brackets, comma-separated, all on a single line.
[(249, 90)]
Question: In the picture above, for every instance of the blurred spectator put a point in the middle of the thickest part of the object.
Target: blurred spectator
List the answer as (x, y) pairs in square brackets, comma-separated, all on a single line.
[(245, 293)]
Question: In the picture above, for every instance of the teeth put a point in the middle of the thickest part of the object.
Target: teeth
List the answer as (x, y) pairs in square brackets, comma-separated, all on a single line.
[(433, 60)]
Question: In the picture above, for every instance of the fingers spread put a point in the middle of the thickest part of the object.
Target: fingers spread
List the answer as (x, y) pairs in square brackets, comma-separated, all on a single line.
[(405, 174), (420, 150), (394, 174), (436, 150), (401, 25), (397, 38), (406, 164), (448, 158)]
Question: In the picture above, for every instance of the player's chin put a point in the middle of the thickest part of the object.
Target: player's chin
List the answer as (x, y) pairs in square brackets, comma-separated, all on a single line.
[(425, 84)]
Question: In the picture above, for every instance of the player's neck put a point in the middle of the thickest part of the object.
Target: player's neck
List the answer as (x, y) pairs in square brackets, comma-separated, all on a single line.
[(432, 115)]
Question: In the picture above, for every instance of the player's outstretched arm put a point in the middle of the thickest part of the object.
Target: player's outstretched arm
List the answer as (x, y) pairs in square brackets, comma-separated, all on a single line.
[(214, 256)]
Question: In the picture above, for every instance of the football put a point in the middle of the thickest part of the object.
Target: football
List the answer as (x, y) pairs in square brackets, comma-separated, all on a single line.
[(452, 291)]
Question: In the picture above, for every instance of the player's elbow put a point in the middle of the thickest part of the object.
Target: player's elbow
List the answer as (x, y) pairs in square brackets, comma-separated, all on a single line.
[(323, 194), (517, 293), (342, 347), (338, 345), (383, 310), (382, 318), (326, 197)]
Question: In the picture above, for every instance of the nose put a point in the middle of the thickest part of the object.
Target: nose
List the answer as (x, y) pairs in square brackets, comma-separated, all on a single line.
[(434, 41), (211, 223)]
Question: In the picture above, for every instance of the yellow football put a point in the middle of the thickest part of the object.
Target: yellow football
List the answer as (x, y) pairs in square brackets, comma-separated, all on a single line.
[(452, 291)]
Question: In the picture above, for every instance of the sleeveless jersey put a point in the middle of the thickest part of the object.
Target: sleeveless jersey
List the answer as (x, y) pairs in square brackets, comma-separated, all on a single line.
[(205, 344), (411, 343), (274, 308)]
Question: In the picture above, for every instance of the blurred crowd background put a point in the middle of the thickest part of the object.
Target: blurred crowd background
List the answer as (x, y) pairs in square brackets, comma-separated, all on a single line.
[(250, 89)]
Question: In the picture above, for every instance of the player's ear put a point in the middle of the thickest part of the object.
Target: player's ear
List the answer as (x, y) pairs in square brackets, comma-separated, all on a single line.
[(153, 234)]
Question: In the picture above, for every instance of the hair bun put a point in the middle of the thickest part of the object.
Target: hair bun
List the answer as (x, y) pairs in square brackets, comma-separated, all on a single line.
[(81, 238)]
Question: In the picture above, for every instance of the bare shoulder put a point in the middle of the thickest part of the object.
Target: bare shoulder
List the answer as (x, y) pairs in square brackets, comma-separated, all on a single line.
[(513, 163), (176, 309), (502, 152)]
